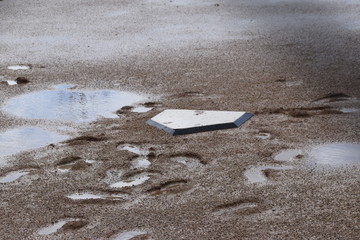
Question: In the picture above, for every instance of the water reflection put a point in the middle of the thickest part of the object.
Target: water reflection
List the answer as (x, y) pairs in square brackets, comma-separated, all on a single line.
[(26, 138), (336, 154), (67, 105)]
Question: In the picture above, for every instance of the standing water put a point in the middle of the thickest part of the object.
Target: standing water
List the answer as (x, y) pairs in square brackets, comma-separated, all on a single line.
[(65, 104), (26, 138)]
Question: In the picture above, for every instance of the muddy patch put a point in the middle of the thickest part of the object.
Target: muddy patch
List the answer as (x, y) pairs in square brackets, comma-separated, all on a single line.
[(303, 112), (83, 140), (26, 138), (21, 80)]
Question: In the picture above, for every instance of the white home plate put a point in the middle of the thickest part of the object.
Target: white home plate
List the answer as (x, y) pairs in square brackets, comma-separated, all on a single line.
[(180, 122)]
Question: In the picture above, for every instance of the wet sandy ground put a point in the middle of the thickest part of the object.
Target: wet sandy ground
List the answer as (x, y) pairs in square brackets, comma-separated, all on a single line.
[(294, 64)]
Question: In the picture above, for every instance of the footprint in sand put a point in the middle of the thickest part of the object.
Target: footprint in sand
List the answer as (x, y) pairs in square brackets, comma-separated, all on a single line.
[(15, 175), (242, 206), (259, 174), (128, 235), (288, 155), (190, 160), (142, 160), (64, 224), (170, 187)]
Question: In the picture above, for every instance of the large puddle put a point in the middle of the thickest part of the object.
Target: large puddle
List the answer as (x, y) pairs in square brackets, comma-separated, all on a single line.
[(26, 138), (336, 154), (65, 104)]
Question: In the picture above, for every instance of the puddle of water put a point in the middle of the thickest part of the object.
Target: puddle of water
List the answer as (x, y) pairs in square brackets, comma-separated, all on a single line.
[(63, 86), (90, 196), (70, 105), (348, 110), (55, 227), (293, 83), (26, 138), (130, 183), (256, 175), (10, 82), (12, 176), (128, 235), (187, 161), (336, 154), (263, 135), (133, 149), (19, 67), (140, 162), (141, 109), (287, 155), (90, 161), (65, 167), (52, 228)]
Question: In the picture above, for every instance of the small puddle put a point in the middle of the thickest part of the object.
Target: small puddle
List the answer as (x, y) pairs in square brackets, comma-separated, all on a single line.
[(187, 161), (141, 109), (133, 149), (140, 162), (128, 235), (348, 110), (70, 105), (65, 167), (53, 228), (256, 174), (131, 182), (9, 82), (13, 176), (26, 138), (336, 154), (288, 155), (19, 67), (90, 196), (263, 135)]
